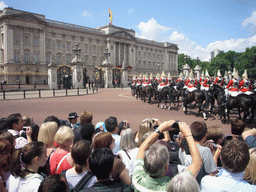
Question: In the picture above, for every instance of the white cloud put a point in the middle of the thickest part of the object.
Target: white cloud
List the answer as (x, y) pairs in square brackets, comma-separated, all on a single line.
[(250, 20), (175, 36), (86, 14), (131, 11), (2, 5), (153, 31)]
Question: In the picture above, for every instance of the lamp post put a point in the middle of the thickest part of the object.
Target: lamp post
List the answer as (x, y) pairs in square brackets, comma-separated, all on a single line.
[(187, 57), (107, 55)]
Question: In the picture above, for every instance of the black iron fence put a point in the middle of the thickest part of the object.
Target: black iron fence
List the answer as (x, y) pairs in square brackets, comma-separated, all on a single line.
[(40, 93)]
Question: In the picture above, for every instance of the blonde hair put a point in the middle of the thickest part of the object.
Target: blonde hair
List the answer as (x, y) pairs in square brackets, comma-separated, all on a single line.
[(47, 133), (144, 128), (64, 136), (250, 170)]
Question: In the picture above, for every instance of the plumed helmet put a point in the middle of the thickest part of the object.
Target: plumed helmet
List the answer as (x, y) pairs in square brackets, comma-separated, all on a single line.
[(206, 73), (180, 75), (245, 76), (169, 75), (191, 75), (234, 72), (219, 74), (202, 75), (163, 74), (236, 75), (151, 75)]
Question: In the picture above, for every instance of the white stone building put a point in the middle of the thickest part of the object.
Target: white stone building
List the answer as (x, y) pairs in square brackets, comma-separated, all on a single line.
[(29, 42)]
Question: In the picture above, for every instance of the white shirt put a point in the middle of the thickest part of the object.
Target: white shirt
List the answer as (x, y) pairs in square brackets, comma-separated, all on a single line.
[(30, 183), (129, 163), (226, 181), (20, 141)]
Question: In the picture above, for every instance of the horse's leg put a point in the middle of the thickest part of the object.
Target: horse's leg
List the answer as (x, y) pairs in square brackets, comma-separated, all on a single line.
[(204, 113), (239, 113), (185, 107), (228, 111)]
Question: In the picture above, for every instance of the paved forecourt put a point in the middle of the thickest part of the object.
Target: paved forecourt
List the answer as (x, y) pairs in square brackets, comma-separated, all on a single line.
[(107, 102)]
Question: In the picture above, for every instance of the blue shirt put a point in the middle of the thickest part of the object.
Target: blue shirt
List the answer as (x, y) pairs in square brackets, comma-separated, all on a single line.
[(226, 181), (251, 141)]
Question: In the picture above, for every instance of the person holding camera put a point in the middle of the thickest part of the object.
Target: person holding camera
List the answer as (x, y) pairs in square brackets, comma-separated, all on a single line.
[(153, 159), (199, 133), (15, 125)]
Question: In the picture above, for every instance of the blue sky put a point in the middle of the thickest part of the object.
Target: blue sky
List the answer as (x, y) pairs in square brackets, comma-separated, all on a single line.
[(198, 27)]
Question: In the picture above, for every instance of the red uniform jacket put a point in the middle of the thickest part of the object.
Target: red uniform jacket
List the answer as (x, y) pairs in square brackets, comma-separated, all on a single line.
[(216, 82), (245, 86), (233, 83)]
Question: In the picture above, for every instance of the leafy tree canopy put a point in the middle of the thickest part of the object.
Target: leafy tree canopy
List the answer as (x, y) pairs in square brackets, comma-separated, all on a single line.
[(225, 61)]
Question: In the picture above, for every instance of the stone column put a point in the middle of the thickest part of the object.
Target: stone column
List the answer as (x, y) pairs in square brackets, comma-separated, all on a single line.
[(119, 54), (21, 39), (198, 71), (108, 77), (8, 44), (52, 76), (77, 75), (42, 42), (124, 78), (124, 61)]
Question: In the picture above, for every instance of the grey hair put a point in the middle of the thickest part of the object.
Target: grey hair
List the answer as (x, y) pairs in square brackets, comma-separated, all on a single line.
[(127, 140), (183, 182), (156, 159)]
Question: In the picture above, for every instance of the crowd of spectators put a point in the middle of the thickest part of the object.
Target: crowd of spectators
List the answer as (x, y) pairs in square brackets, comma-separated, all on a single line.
[(74, 155)]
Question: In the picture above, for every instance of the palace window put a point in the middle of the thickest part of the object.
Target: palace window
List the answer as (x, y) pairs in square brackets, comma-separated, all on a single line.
[(48, 43), (26, 57), (26, 40), (68, 60), (16, 57), (58, 44), (86, 48), (58, 59), (35, 57), (94, 61), (48, 59), (16, 39), (35, 42), (68, 45), (86, 60), (94, 48)]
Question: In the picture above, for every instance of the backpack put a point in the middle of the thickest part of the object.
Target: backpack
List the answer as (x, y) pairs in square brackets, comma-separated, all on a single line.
[(80, 185)]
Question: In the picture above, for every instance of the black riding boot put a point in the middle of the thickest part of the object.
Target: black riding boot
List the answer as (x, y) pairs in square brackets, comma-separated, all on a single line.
[(206, 99)]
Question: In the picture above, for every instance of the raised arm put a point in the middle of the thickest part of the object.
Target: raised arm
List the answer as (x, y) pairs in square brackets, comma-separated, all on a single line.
[(247, 133), (165, 126), (196, 157)]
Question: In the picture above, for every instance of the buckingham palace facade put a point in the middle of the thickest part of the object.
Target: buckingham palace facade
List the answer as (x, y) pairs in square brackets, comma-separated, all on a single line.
[(29, 42)]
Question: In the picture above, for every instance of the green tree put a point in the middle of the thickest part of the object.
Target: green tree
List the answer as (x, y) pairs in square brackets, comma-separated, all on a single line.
[(247, 60), (218, 63)]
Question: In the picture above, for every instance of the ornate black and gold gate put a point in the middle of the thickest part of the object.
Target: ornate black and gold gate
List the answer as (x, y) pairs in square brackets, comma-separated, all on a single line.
[(64, 76), (98, 76)]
